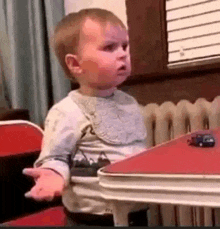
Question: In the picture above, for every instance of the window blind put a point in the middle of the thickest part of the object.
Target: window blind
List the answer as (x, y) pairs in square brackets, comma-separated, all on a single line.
[(193, 32)]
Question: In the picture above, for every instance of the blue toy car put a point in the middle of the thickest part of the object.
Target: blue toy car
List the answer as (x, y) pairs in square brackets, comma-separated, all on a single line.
[(201, 140)]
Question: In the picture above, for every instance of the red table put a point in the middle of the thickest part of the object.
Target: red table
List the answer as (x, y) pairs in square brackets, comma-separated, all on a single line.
[(170, 173)]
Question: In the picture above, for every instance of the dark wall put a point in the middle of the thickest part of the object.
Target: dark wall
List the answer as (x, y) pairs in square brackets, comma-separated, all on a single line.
[(190, 86)]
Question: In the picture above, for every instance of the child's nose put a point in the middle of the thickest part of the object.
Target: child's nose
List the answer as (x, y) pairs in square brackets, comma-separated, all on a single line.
[(122, 53)]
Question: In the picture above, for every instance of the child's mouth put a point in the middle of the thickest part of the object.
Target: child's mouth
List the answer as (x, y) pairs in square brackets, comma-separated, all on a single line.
[(122, 68)]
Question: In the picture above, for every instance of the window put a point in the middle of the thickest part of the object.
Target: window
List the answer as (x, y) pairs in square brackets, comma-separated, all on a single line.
[(193, 32)]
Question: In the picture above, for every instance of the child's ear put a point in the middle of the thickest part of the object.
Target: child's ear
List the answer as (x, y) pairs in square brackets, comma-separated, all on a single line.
[(72, 63)]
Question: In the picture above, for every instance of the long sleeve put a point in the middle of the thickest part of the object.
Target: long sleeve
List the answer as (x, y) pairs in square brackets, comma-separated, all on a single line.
[(60, 140)]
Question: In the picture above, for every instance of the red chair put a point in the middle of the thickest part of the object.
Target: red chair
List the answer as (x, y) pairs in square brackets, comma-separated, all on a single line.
[(19, 137), (51, 217), (20, 143)]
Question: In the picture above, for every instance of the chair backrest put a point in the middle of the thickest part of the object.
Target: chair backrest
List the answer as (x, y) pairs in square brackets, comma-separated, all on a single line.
[(20, 145), (19, 137)]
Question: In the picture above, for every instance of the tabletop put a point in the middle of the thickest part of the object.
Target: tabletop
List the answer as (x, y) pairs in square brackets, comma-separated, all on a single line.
[(173, 157)]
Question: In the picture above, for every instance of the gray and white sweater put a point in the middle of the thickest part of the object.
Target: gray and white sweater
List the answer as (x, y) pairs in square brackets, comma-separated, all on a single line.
[(83, 133)]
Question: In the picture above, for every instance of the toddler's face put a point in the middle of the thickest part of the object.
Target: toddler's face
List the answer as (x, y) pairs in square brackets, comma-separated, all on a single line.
[(103, 55)]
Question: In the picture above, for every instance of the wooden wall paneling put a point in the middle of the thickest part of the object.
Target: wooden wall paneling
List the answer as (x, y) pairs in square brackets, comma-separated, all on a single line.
[(190, 86), (146, 22)]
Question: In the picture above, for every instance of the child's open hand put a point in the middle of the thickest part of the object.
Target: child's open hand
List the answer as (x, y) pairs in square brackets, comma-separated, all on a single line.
[(48, 184)]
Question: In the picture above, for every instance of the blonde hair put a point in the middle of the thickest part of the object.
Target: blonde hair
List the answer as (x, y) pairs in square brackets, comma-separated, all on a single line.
[(67, 32)]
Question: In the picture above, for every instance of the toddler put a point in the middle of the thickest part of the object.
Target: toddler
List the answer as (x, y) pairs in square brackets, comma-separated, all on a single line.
[(94, 125)]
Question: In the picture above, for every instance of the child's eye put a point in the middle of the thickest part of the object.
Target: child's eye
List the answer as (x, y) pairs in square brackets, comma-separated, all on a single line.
[(109, 48), (124, 46)]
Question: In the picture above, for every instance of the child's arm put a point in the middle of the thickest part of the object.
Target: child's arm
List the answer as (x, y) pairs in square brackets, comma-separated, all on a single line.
[(48, 184), (52, 169)]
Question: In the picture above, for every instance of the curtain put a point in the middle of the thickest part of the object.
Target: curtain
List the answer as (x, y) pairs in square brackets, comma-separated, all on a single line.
[(32, 77)]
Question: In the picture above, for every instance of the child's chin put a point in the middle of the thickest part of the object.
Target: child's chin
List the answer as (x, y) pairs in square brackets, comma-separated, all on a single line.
[(122, 78)]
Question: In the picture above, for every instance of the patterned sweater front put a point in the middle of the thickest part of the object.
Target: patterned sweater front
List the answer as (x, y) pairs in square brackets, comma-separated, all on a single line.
[(84, 133)]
